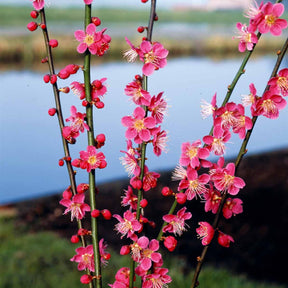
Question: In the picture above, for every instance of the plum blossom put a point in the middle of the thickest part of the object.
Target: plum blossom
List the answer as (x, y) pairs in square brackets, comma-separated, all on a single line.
[(232, 207), (157, 279), (212, 200), (159, 141), (247, 37), (205, 232), (138, 126), (84, 258), (88, 2), (78, 89), (138, 95), (192, 152), (224, 239), (176, 223), (38, 4), (279, 84), (127, 225), (76, 206), (271, 22), (194, 185), (129, 199), (225, 180), (158, 108), (77, 122), (208, 109), (269, 105)]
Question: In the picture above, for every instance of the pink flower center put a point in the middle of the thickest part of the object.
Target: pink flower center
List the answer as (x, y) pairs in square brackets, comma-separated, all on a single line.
[(92, 160), (139, 125), (269, 106), (86, 258), (283, 83), (192, 152), (89, 39), (270, 19)]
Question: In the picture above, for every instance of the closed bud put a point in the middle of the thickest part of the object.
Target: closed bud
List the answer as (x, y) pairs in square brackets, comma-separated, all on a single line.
[(61, 162), (53, 79), (74, 239), (82, 187), (43, 26), (143, 203), (67, 194), (99, 105), (32, 26), (140, 29), (166, 191), (64, 90), (34, 14), (72, 68), (181, 198), (86, 279), (52, 111), (96, 21), (170, 243), (85, 103), (53, 43), (46, 78), (95, 213), (63, 74), (106, 214), (125, 250)]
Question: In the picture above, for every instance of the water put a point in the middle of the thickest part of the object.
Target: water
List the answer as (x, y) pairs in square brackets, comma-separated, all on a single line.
[(30, 144)]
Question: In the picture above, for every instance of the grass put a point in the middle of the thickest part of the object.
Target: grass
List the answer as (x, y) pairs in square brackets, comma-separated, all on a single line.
[(41, 260)]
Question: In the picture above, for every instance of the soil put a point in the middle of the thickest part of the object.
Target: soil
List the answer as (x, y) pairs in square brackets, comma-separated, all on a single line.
[(259, 232)]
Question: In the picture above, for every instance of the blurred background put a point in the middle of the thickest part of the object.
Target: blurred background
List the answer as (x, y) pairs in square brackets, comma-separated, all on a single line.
[(203, 60)]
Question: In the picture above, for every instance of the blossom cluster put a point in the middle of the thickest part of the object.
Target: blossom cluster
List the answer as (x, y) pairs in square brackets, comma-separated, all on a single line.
[(143, 128), (264, 18)]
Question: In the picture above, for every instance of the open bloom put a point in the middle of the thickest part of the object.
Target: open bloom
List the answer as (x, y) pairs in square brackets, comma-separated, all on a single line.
[(205, 232), (38, 4), (138, 95), (232, 207), (176, 223), (246, 36), (279, 84), (269, 105), (225, 180), (271, 22), (76, 206), (157, 279), (84, 258), (77, 121), (138, 126), (194, 185)]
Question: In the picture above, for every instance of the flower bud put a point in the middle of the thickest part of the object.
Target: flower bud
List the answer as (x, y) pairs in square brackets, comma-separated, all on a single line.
[(96, 21), (32, 26), (140, 29), (63, 74), (166, 191), (125, 250), (74, 239), (224, 239), (64, 90), (67, 194), (143, 203), (46, 78), (82, 187), (52, 111), (61, 162), (170, 243), (34, 14), (53, 43), (106, 214), (95, 213), (53, 79), (99, 105), (86, 279), (43, 26), (72, 68), (181, 198)]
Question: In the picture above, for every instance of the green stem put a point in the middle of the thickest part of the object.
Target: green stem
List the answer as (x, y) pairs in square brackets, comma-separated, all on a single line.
[(91, 142), (239, 158), (143, 146), (61, 121)]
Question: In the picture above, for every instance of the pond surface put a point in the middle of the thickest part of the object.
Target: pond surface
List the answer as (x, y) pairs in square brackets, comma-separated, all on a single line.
[(30, 144)]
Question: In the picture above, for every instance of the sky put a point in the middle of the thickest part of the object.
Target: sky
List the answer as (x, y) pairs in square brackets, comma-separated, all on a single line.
[(160, 3)]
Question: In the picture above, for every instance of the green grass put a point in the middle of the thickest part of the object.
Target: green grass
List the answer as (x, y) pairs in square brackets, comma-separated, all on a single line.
[(41, 260)]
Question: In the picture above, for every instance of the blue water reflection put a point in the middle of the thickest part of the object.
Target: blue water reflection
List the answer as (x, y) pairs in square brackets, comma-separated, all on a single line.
[(30, 145)]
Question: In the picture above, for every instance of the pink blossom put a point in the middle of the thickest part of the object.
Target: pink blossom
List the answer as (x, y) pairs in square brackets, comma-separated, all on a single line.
[(38, 4), (212, 200), (149, 179), (247, 37), (217, 142), (98, 89), (208, 109), (159, 141), (77, 121), (170, 243), (191, 153), (78, 89), (127, 225), (232, 207), (279, 84), (88, 2), (224, 239), (69, 134), (225, 180), (122, 278), (254, 13), (148, 252), (176, 223), (158, 108), (95, 42), (157, 279), (138, 126), (205, 232), (138, 95), (91, 159), (76, 206), (194, 185), (129, 199), (105, 256), (84, 258), (269, 105), (271, 22)]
